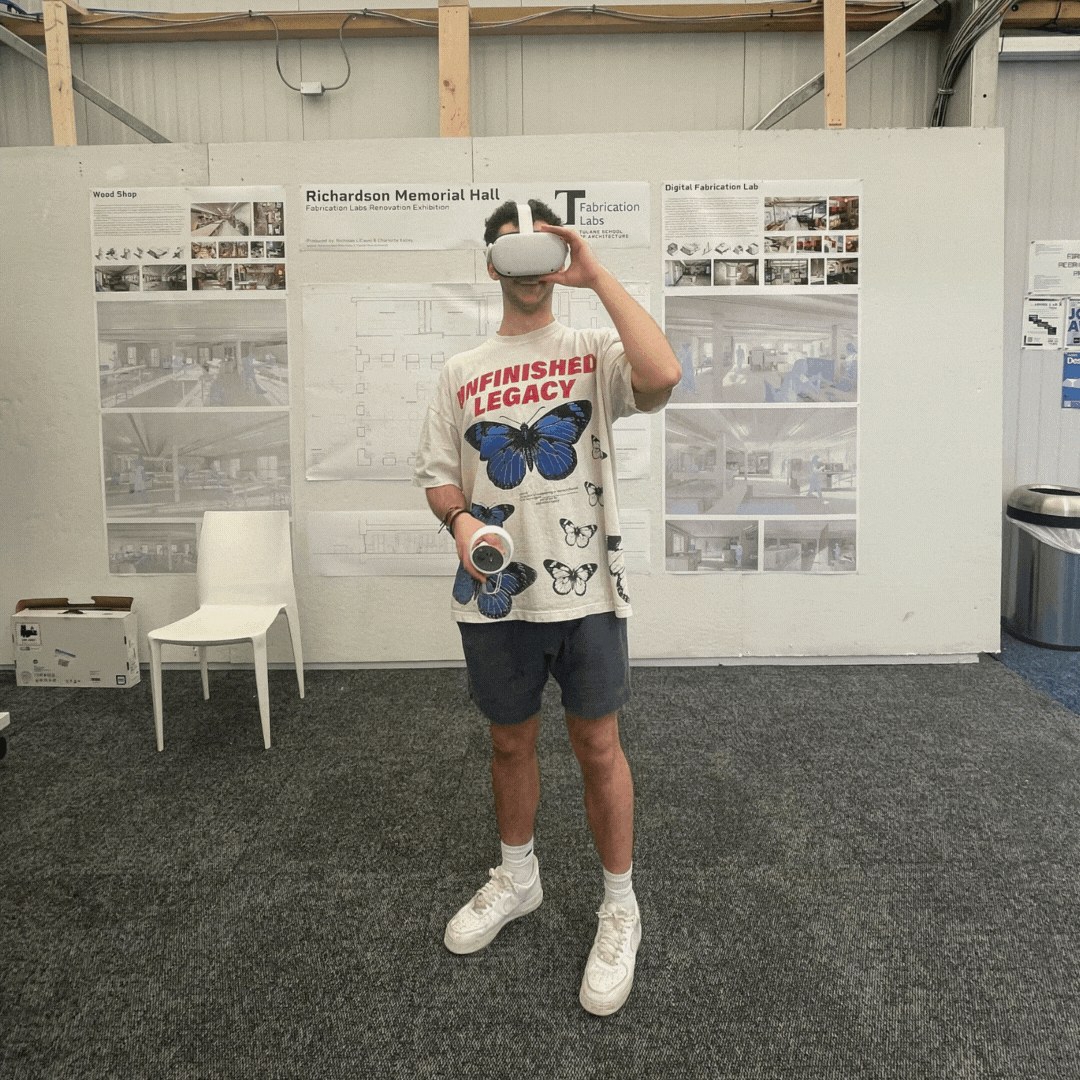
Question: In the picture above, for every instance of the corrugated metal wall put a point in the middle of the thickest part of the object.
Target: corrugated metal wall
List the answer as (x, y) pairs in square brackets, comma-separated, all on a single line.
[(203, 92), (1039, 108)]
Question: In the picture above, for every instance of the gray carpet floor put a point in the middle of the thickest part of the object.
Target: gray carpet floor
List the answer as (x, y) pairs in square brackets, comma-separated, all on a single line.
[(844, 872)]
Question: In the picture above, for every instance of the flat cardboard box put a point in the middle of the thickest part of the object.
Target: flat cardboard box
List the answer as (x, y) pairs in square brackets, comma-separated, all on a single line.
[(75, 645)]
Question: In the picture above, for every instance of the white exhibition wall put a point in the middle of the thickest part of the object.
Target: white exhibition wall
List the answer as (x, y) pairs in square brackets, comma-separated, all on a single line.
[(929, 495)]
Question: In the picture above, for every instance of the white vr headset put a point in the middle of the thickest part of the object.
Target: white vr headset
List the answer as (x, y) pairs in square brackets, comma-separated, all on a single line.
[(527, 253)]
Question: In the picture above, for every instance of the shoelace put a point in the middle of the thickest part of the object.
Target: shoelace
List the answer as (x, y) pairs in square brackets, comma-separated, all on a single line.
[(615, 924), (489, 892)]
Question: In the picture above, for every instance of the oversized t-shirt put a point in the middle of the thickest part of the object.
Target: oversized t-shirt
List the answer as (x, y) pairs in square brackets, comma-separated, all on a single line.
[(522, 425)]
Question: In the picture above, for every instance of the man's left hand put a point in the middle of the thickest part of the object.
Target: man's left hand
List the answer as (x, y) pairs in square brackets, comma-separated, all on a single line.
[(585, 269)]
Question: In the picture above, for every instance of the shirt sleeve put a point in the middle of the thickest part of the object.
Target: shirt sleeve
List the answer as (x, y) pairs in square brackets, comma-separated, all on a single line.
[(438, 456), (615, 375)]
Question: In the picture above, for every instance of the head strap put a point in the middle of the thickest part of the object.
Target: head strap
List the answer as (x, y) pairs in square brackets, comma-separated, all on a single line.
[(525, 218)]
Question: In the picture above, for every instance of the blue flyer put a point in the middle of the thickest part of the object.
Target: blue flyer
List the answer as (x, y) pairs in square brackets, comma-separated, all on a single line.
[(1070, 381)]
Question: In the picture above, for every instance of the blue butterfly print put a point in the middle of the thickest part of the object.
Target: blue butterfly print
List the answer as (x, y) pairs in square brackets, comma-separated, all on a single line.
[(494, 598), (577, 534), (489, 515), (595, 493), (564, 578), (547, 446)]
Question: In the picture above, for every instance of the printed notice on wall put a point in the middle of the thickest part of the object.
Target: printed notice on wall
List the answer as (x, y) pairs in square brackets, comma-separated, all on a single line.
[(761, 304), (192, 364), (1054, 267), (1044, 322), (386, 217), (1070, 381)]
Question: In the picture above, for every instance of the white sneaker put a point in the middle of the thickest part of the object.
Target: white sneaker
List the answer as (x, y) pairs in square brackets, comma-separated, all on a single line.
[(609, 972), (498, 902)]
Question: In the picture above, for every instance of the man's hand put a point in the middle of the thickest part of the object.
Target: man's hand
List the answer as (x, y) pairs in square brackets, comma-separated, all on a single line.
[(465, 528), (585, 270)]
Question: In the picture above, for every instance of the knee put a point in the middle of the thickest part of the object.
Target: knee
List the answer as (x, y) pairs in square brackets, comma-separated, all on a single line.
[(596, 743), (513, 742)]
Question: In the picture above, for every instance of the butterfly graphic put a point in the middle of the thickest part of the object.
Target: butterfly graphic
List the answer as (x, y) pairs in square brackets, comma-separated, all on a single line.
[(617, 565), (494, 598), (564, 579), (577, 534), (596, 451), (595, 493), (547, 446)]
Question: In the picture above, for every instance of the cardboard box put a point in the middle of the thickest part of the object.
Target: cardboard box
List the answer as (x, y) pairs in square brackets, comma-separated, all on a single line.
[(63, 644)]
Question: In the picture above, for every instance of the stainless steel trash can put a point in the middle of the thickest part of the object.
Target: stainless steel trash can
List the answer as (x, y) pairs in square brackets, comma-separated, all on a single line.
[(1042, 593)]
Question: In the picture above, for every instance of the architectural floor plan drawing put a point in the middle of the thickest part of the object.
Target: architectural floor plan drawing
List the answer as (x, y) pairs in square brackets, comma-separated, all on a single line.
[(372, 357), (378, 543)]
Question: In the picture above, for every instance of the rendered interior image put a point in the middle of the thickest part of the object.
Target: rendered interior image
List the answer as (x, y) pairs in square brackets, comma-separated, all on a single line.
[(783, 349)]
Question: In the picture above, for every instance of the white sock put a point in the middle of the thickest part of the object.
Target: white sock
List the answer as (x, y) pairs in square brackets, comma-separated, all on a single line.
[(518, 860), (619, 888)]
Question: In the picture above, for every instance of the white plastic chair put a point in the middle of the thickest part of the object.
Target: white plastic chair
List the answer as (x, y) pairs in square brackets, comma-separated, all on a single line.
[(244, 580)]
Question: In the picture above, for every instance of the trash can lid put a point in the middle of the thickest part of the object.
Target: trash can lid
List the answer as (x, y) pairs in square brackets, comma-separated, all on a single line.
[(1045, 504)]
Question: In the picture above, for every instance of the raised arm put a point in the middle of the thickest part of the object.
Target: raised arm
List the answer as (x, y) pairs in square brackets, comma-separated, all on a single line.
[(655, 370)]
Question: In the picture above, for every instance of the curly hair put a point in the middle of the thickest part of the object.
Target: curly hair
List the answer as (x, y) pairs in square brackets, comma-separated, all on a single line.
[(507, 212)]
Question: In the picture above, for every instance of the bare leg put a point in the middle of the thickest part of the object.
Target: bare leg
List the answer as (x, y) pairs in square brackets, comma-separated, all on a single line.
[(515, 779), (609, 788)]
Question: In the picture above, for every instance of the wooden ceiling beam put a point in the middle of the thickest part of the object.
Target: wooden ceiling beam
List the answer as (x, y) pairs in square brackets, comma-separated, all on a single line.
[(102, 28)]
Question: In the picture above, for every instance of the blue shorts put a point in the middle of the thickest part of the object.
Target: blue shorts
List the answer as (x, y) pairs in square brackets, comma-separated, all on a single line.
[(509, 663)]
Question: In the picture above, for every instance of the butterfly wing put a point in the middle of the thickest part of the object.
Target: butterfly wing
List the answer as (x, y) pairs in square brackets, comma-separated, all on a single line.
[(555, 433), (595, 492), (597, 451), (581, 577), (617, 565), (465, 586), (562, 577), (491, 515), (504, 450), (515, 579)]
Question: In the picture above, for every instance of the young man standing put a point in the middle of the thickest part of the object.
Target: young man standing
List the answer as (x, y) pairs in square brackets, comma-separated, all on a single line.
[(518, 435)]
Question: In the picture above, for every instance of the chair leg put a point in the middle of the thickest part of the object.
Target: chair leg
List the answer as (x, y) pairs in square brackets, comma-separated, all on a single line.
[(205, 673), (155, 686), (292, 618), (263, 683)]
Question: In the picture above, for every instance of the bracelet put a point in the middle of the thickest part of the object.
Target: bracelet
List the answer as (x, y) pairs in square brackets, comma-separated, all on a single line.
[(449, 518)]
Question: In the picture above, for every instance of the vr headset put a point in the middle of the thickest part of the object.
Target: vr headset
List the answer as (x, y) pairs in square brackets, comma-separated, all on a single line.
[(527, 253)]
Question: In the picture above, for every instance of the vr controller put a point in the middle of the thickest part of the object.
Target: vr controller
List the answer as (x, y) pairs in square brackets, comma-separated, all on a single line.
[(491, 550), (527, 253)]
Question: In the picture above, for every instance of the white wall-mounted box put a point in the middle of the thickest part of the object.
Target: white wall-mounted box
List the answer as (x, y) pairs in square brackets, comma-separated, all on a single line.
[(75, 645)]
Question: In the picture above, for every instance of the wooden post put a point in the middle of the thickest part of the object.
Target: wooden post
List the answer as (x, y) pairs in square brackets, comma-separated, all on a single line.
[(58, 57), (835, 27), (454, 68)]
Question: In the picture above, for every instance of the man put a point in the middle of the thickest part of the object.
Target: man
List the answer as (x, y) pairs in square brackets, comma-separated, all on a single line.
[(518, 435)]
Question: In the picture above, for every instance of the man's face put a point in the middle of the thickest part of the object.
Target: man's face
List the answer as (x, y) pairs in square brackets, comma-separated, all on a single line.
[(527, 295)]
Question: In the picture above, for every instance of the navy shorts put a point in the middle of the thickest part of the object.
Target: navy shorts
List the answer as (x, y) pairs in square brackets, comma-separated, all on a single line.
[(509, 663)]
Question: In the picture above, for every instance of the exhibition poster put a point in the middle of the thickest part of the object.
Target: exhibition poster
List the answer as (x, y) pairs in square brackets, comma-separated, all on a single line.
[(193, 363), (761, 304), (373, 354), (408, 216)]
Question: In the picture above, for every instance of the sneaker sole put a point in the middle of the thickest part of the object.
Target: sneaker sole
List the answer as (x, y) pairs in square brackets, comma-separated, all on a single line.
[(465, 948)]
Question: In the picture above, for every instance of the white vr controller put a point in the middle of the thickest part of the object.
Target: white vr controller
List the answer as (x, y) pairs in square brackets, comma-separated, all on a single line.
[(491, 550), (527, 253)]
